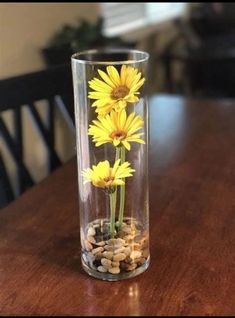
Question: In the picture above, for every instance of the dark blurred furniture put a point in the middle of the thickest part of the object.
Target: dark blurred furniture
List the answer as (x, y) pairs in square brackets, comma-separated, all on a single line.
[(53, 85), (213, 18), (207, 71), (208, 67)]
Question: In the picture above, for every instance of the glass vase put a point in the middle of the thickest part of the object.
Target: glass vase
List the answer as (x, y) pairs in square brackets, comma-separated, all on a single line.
[(111, 117)]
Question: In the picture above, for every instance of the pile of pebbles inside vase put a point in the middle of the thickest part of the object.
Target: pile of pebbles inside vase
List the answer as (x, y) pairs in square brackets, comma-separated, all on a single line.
[(127, 251)]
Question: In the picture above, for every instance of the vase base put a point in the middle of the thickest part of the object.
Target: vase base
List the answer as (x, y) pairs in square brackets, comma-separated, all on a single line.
[(123, 256), (116, 277)]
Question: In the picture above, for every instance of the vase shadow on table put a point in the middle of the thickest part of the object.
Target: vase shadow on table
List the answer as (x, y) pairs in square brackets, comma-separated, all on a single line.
[(62, 249), (64, 252)]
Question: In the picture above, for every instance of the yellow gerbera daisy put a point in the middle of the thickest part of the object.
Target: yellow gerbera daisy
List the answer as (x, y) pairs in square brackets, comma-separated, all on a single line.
[(117, 128), (115, 90), (104, 176)]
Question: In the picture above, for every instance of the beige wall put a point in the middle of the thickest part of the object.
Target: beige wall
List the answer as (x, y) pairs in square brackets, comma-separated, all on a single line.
[(25, 28)]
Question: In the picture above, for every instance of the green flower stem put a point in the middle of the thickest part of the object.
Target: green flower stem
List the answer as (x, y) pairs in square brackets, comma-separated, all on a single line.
[(117, 153), (112, 210), (113, 200), (122, 191), (115, 193)]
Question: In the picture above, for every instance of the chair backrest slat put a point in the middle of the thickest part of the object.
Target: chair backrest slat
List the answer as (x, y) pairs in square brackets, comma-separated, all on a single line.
[(26, 90), (18, 138), (45, 135), (51, 128), (12, 146), (6, 192)]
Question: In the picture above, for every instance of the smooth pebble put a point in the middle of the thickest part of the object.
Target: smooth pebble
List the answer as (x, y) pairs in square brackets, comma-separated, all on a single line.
[(119, 250), (140, 261), (91, 231), (91, 239), (99, 255), (127, 250), (135, 254), (115, 264), (102, 243), (114, 270), (106, 263), (131, 267), (119, 257), (108, 255), (88, 245), (126, 229), (137, 247), (121, 241), (97, 250), (112, 241), (108, 248), (102, 269)]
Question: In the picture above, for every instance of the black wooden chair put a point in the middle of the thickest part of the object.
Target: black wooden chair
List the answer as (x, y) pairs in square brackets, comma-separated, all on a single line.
[(54, 85)]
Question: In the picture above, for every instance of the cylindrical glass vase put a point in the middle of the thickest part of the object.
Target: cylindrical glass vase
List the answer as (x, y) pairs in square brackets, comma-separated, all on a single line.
[(111, 116)]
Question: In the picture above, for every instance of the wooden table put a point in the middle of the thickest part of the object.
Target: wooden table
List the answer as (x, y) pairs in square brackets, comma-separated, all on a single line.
[(192, 202)]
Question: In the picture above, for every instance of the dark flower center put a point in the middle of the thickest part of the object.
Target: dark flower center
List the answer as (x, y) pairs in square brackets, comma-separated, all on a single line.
[(108, 180), (118, 134), (119, 92)]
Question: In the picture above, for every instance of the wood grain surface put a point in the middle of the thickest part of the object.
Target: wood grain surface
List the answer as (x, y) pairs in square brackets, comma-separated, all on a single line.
[(192, 228)]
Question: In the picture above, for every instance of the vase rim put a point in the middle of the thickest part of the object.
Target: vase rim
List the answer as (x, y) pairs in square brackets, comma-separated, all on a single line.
[(83, 56)]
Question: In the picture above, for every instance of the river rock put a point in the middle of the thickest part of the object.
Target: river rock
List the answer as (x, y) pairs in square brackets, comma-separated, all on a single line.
[(135, 254), (119, 250), (114, 270), (102, 269), (97, 250), (91, 239), (108, 254), (131, 267), (119, 257), (91, 231), (88, 245), (106, 263)]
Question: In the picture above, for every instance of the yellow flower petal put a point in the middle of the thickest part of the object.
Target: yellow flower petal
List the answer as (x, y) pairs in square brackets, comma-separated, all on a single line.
[(122, 119), (138, 85), (116, 142), (116, 128), (113, 74), (123, 75), (106, 78), (114, 90), (99, 143), (132, 99), (102, 102), (120, 105), (99, 85), (129, 120), (115, 167), (126, 144), (104, 176), (102, 111), (118, 182)]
